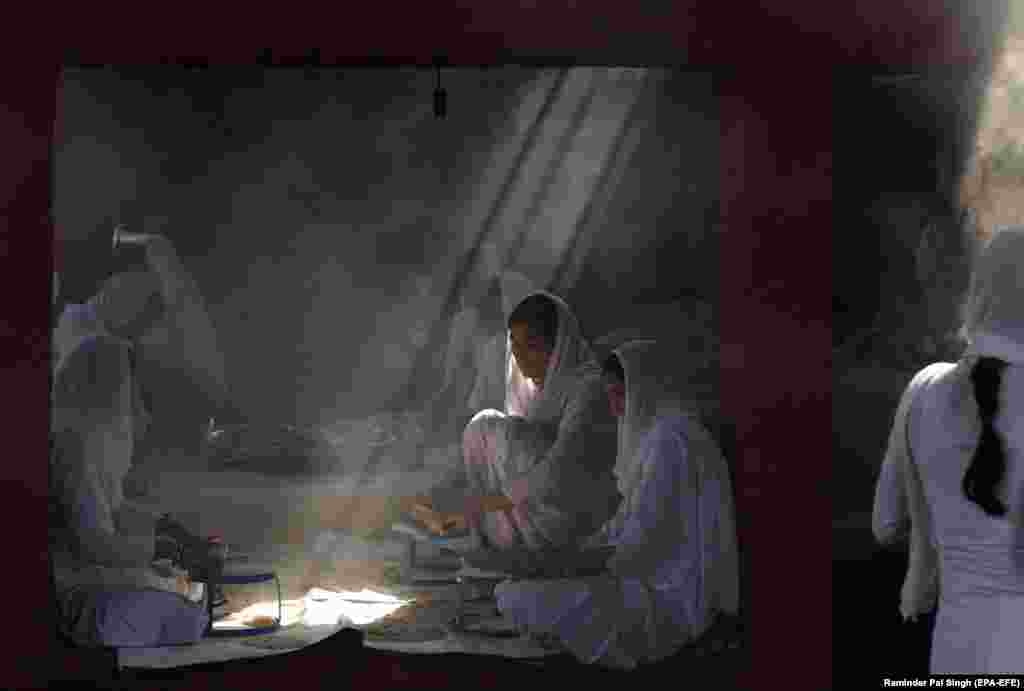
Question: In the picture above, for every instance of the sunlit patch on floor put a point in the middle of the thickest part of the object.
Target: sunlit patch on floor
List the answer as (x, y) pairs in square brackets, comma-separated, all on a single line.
[(325, 608), (318, 608)]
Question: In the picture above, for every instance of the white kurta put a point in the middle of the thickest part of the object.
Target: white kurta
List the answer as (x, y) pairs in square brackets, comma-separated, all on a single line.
[(108, 588), (975, 560), (550, 451), (100, 541), (661, 591), (978, 628)]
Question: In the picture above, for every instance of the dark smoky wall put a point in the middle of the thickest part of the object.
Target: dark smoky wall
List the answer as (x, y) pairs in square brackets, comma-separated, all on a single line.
[(901, 243), (655, 237), (904, 139), (322, 211), (305, 204), (901, 263)]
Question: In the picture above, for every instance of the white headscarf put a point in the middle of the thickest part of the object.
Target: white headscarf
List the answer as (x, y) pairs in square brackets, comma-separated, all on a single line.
[(80, 397), (74, 325), (76, 386), (655, 390), (96, 399), (994, 311), (570, 357), (124, 296)]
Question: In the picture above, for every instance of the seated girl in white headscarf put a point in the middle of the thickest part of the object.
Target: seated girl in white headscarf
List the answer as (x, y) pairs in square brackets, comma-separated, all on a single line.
[(674, 564), (113, 586), (540, 473)]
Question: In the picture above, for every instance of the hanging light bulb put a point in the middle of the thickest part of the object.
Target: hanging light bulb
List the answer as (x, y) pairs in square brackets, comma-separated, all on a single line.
[(440, 96)]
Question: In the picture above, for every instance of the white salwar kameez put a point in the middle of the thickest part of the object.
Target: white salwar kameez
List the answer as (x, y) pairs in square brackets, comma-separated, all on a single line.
[(551, 452), (675, 565), (109, 590), (969, 563)]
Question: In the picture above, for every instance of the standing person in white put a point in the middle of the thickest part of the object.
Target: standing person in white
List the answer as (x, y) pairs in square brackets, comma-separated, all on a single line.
[(951, 479)]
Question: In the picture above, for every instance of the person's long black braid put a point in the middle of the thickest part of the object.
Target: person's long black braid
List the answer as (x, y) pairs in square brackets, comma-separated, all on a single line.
[(988, 465)]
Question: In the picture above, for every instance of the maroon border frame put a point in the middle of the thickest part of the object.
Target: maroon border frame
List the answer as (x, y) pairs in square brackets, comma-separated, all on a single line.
[(777, 60)]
